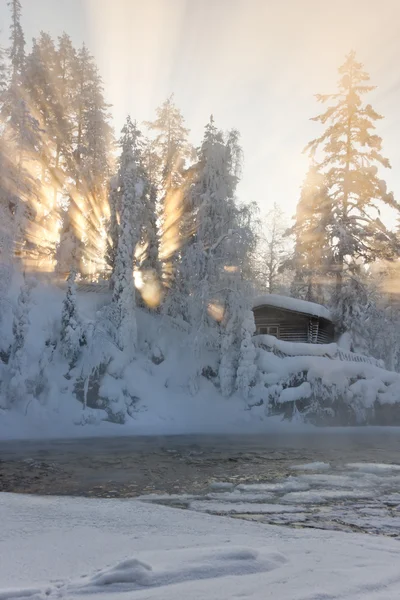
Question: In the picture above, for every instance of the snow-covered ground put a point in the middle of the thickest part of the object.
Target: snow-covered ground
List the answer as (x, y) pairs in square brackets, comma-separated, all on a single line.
[(170, 385), (55, 548), (169, 394)]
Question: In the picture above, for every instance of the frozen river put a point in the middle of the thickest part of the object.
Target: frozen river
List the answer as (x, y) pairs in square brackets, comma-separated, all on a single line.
[(329, 479)]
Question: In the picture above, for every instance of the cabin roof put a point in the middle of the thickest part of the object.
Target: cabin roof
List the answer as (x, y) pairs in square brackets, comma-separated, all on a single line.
[(293, 304)]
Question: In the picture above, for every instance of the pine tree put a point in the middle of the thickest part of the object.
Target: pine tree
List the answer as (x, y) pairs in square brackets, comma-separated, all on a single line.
[(92, 144), (170, 150), (210, 199), (311, 258), (350, 160), (72, 332), (21, 135), (17, 48), (151, 165), (3, 78), (170, 144), (132, 187)]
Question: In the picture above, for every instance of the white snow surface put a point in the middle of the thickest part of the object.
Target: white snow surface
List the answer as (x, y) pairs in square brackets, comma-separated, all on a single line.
[(301, 306), (173, 396), (123, 550), (292, 394)]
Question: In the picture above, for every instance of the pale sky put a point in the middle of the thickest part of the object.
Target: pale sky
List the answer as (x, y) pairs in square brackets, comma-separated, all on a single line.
[(254, 64)]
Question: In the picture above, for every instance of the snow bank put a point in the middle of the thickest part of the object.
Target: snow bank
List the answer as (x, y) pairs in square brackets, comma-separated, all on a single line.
[(293, 304), (292, 394), (119, 549), (333, 351), (162, 391), (324, 389)]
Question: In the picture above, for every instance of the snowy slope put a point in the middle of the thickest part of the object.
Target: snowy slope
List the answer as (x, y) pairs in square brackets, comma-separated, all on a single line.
[(165, 381), (123, 550)]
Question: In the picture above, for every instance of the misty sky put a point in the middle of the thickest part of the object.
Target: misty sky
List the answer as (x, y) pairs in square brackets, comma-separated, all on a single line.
[(254, 64)]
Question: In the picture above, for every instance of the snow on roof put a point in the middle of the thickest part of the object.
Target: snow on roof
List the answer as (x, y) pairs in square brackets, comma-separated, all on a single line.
[(293, 304)]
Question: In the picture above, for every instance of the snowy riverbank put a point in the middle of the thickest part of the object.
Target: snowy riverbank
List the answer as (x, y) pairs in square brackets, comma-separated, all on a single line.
[(111, 549), (171, 385)]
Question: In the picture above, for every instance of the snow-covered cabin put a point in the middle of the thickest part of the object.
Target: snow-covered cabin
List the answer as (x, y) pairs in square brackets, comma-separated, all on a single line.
[(293, 320)]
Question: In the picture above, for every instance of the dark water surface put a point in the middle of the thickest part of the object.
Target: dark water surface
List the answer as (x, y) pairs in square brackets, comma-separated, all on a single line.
[(329, 479), (130, 466)]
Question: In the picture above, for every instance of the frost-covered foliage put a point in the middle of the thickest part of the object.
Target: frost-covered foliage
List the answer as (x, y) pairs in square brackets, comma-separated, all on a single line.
[(15, 382), (163, 222), (326, 386), (247, 369), (338, 229), (271, 258), (72, 336), (131, 188), (310, 255)]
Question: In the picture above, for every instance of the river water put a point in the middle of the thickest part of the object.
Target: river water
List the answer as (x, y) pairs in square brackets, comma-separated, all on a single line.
[(329, 479)]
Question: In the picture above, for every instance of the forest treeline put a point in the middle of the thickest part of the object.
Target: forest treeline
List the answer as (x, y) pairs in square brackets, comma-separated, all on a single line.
[(161, 221)]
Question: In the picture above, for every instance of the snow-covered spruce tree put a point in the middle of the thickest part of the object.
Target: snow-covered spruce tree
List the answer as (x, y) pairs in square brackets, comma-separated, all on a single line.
[(210, 198), (311, 257), (348, 155), (246, 372), (17, 366), (132, 187), (170, 151), (20, 133), (170, 144), (72, 335), (90, 147), (219, 250), (351, 312), (237, 288), (150, 235)]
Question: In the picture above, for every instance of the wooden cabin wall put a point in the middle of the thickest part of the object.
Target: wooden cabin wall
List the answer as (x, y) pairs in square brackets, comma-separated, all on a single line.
[(326, 332), (293, 327)]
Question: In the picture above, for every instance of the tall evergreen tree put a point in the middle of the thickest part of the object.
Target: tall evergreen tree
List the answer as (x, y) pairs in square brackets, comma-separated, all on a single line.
[(348, 154), (17, 39), (131, 188), (85, 148), (170, 149), (21, 132), (311, 258), (72, 334), (210, 200), (171, 144)]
